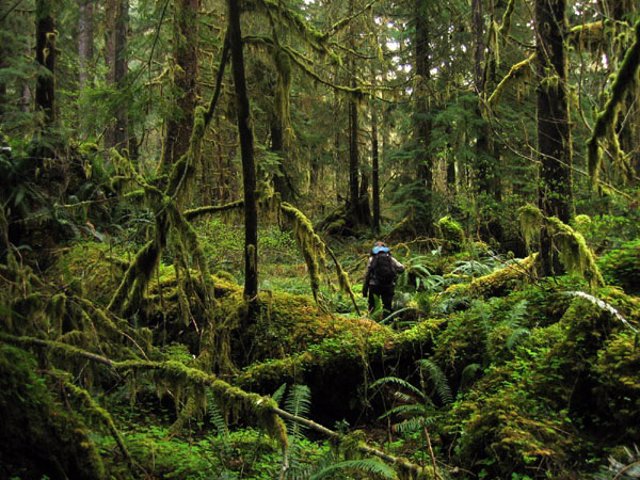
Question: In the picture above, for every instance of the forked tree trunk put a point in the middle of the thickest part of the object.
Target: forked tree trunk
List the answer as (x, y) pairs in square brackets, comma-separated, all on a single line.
[(554, 136), (248, 161)]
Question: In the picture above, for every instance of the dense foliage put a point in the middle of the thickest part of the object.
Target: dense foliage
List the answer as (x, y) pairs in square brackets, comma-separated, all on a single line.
[(189, 191)]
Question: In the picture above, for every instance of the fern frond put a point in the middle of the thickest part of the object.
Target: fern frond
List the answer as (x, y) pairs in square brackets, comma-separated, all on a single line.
[(278, 395), (370, 467), (516, 336), (405, 411), (400, 383), (437, 376)]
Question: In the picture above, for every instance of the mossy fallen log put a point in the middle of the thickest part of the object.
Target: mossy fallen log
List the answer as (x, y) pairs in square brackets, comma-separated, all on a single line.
[(496, 283)]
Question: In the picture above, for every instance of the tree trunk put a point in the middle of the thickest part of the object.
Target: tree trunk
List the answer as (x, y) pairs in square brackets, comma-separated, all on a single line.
[(85, 41), (46, 58), (375, 168), (485, 166), (422, 120), (554, 136), (117, 21), (185, 73), (248, 162)]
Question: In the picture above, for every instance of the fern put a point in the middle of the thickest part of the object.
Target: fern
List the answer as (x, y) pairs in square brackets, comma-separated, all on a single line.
[(372, 468), (436, 375)]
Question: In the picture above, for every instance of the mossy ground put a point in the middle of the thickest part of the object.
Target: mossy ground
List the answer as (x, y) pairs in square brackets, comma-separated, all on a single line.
[(541, 379)]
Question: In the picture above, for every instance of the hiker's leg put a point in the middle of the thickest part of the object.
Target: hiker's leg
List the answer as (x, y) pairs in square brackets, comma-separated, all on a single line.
[(387, 300)]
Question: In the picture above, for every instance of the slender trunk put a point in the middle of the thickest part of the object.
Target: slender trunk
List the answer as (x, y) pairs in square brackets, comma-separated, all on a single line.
[(117, 20), (484, 162), (85, 41), (375, 168), (554, 136), (354, 167), (46, 58), (180, 122), (422, 120), (281, 183), (246, 147)]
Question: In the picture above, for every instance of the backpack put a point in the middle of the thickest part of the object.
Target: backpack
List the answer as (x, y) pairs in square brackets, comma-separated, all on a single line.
[(383, 269)]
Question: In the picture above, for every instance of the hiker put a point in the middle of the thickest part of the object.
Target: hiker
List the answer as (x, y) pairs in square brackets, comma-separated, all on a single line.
[(380, 279)]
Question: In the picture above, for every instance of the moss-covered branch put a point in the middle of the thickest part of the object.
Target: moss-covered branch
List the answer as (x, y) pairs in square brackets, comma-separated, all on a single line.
[(519, 70), (606, 121), (266, 410), (96, 410), (194, 213)]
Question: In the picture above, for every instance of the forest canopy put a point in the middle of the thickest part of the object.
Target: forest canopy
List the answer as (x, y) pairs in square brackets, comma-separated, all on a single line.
[(190, 191)]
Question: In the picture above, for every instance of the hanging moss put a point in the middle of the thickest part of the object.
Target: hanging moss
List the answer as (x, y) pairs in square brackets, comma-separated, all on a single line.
[(311, 245), (575, 255), (606, 121)]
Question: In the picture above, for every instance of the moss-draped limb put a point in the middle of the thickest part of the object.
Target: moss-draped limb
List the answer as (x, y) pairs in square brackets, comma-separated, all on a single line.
[(519, 70), (194, 213), (605, 124), (505, 25), (129, 293), (304, 64), (96, 410), (574, 252), (311, 245), (343, 279)]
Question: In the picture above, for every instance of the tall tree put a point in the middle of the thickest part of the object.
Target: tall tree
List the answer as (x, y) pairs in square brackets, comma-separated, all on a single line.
[(85, 40), (117, 21), (422, 118), (46, 59), (185, 75), (247, 151), (555, 195)]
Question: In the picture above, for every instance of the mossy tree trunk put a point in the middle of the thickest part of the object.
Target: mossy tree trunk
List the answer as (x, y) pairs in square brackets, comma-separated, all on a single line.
[(46, 58), (422, 119), (117, 24), (185, 75), (555, 195), (246, 146)]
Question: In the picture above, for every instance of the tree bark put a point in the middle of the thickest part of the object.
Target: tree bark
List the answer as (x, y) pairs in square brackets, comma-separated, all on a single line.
[(248, 161), (375, 167), (555, 195), (422, 120), (85, 41), (117, 22), (185, 74)]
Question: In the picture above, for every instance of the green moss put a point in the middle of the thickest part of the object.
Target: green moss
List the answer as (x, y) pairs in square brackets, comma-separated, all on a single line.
[(38, 436), (621, 266), (451, 233), (89, 269)]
